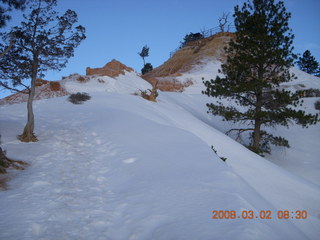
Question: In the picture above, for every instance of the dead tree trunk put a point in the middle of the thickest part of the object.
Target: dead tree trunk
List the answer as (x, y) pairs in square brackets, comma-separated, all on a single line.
[(223, 23), (6, 162)]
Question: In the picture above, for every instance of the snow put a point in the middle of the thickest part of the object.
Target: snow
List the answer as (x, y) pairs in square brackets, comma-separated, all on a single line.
[(127, 83), (121, 167), (304, 80), (207, 69)]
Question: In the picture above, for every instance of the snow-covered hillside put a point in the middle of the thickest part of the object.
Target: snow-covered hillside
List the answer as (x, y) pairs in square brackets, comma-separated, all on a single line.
[(121, 167)]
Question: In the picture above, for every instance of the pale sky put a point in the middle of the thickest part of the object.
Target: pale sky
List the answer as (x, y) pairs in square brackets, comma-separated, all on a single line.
[(119, 29)]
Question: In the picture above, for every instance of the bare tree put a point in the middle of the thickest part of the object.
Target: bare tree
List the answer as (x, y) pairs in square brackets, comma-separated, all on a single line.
[(224, 24)]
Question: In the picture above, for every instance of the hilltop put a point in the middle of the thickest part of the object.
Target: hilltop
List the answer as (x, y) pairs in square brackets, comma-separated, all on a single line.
[(187, 58)]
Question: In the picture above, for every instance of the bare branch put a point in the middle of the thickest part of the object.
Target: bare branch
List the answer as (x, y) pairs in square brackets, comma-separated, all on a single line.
[(14, 89), (239, 131), (223, 22)]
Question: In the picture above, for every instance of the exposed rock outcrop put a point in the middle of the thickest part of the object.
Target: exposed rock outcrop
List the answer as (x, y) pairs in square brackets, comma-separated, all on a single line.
[(111, 69), (40, 82)]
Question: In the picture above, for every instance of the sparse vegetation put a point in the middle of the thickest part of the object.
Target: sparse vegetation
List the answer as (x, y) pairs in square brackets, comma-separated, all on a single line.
[(215, 151), (79, 98), (70, 76), (311, 92), (82, 79)]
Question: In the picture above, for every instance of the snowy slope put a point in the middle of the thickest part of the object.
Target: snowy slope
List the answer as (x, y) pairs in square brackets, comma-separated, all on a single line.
[(121, 167), (303, 156)]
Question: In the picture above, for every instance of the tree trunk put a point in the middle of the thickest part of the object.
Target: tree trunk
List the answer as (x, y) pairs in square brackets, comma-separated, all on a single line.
[(28, 132), (256, 135), (257, 122)]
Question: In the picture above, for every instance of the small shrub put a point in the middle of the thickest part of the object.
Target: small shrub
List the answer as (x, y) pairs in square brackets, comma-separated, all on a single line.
[(82, 79), (317, 105), (101, 80), (147, 68), (79, 98), (191, 37)]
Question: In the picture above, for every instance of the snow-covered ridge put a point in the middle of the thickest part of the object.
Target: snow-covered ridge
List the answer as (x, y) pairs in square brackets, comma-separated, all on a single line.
[(208, 69), (129, 83)]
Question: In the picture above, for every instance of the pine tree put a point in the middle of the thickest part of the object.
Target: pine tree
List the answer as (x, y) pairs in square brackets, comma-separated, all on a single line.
[(43, 42), (144, 53), (259, 58), (190, 38), (308, 63)]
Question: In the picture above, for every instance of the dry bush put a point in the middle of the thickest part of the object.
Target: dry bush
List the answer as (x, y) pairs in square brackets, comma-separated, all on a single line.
[(152, 96), (82, 79), (79, 98)]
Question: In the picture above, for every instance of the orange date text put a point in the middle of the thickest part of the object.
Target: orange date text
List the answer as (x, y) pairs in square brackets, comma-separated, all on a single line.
[(262, 214)]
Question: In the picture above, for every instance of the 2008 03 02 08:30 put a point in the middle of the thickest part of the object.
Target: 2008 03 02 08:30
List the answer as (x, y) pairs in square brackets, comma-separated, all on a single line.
[(263, 214)]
